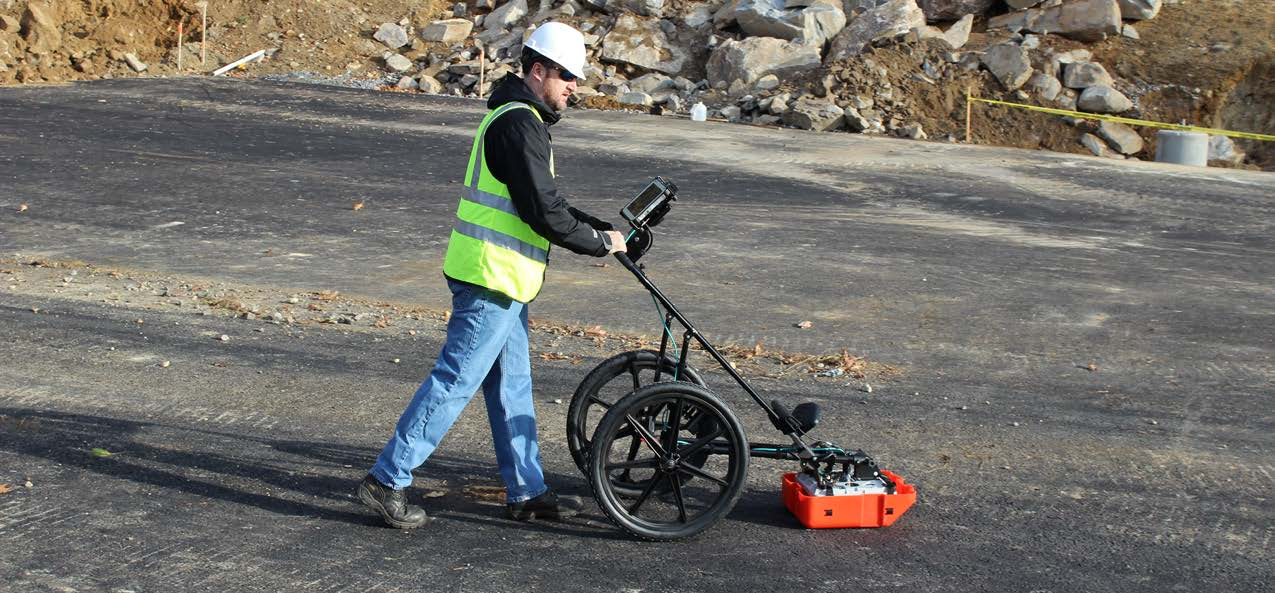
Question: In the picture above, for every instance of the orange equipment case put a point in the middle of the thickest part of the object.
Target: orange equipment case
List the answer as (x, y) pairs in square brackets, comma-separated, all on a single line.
[(862, 510)]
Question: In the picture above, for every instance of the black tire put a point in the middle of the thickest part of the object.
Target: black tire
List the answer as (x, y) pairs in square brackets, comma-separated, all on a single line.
[(669, 456), (599, 391)]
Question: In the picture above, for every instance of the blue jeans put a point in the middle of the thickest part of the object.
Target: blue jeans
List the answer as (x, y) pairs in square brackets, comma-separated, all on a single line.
[(486, 346)]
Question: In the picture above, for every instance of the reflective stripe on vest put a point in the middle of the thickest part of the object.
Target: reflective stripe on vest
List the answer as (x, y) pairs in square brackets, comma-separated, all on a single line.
[(490, 245)]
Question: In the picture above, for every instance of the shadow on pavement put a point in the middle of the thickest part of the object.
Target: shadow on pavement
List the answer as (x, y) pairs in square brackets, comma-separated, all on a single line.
[(229, 467)]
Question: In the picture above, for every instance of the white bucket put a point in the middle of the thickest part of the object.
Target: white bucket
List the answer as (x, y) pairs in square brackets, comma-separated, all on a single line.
[(1183, 148)]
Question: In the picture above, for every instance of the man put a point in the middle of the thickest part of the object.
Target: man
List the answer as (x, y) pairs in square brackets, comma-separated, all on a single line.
[(496, 258)]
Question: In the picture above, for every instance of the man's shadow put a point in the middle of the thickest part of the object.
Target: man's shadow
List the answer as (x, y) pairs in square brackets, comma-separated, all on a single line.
[(203, 462)]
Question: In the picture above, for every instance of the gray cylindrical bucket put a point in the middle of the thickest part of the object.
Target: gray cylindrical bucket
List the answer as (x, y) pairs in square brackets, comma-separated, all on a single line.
[(1183, 148)]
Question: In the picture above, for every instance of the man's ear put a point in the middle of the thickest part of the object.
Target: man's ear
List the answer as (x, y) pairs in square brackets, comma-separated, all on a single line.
[(539, 71)]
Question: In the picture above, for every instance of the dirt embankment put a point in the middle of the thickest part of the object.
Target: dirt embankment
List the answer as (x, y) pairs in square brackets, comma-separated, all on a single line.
[(1207, 63)]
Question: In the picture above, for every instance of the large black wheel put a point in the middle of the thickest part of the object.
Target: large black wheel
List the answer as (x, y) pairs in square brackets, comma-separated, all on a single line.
[(611, 380), (683, 446)]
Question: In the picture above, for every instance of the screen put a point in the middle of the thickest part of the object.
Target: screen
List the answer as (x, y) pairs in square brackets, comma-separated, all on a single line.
[(644, 199)]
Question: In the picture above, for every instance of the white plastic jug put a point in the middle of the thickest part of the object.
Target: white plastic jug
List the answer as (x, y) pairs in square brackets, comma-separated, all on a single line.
[(699, 112)]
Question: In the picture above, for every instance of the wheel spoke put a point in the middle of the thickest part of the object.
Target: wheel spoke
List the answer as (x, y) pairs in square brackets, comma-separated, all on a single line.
[(633, 463), (634, 446), (674, 426), (677, 495), (695, 471), (699, 443), (601, 402), (646, 493), (647, 437)]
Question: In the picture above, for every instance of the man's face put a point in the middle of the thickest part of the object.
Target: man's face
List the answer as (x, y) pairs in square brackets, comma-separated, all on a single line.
[(556, 90)]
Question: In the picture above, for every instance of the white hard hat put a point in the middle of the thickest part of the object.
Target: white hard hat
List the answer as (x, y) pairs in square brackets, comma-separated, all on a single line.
[(562, 44)]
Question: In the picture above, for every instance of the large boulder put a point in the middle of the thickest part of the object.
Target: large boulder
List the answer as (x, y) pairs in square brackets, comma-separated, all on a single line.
[(638, 98), (894, 18), (725, 16), (1059, 61), (950, 10), (1122, 138), (1009, 63), (767, 18), (1047, 87), (815, 21), (1014, 20), (1082, 75), (1223, 149), (1085, 20), (958, 34), (397, 63), (750, 59), (1139, 10), (392, 35), (40, 28), (641, 42), (808, 113), (697, 15), (429, 84), (653, 8), (649, 83), (821, 21), (1103, 99), (507, 15), (448, 31), (1098, 147)]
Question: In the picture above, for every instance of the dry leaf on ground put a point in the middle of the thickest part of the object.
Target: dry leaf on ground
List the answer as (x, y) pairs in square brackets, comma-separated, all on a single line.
[(486, 493), (5, 489)]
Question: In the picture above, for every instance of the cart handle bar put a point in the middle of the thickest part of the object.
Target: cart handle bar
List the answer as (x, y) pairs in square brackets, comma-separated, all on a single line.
[(721, 360)]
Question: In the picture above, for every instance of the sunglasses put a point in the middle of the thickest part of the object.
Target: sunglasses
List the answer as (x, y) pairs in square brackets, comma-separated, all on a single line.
[(563, 73)]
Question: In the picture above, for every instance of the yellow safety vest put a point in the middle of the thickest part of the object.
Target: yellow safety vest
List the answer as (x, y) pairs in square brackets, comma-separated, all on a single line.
[(490, 245)]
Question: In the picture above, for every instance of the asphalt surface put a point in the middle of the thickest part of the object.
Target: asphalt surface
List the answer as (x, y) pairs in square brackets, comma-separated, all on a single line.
[(1085, 351)]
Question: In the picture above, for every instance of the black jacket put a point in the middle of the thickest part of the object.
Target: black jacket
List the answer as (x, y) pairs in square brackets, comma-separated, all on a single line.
[(517, 149)]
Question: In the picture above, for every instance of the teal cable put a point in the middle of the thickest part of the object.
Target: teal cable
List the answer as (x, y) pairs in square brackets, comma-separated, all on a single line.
[(676, 351)]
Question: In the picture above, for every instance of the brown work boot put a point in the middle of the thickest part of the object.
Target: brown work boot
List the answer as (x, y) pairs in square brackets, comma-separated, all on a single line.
[(546, 506), (391, 504)]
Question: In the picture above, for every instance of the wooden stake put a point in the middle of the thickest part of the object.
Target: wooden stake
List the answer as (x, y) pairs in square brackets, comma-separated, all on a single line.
[(203, 36), (482, 71), (969, 111), (181, 38)]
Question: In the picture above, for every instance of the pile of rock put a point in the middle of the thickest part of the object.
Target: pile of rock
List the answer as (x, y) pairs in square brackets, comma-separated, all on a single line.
[(1085, 85), (797, 63)]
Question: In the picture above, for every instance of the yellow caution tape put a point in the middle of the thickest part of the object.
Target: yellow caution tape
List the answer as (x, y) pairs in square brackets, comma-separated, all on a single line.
[(1133, 122)]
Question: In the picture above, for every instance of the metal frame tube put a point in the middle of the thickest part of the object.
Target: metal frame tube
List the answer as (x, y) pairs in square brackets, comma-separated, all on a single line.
[(692, 332)]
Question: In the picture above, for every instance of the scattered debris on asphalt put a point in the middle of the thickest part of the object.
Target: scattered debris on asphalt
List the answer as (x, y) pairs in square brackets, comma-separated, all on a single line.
[(150, 292), (487, 494)]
